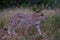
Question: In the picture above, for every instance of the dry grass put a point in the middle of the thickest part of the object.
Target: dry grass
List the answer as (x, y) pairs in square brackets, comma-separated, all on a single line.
[(32, 33)]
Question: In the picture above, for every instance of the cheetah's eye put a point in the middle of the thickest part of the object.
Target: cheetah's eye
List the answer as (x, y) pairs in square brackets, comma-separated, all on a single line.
[(42, 14), (6, 29)]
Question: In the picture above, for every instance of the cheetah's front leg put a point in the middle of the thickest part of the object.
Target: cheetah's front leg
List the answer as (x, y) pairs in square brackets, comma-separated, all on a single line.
[(38, 28)]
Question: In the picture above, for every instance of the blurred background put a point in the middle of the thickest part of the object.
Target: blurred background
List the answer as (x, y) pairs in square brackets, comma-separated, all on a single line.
[(50, 8), (30, 3)]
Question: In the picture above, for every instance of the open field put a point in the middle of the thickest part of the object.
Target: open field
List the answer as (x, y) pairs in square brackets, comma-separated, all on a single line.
[(50, 27)]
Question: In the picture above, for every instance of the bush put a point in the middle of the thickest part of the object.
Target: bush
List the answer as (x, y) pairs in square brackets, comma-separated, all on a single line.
[(17, 3)]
